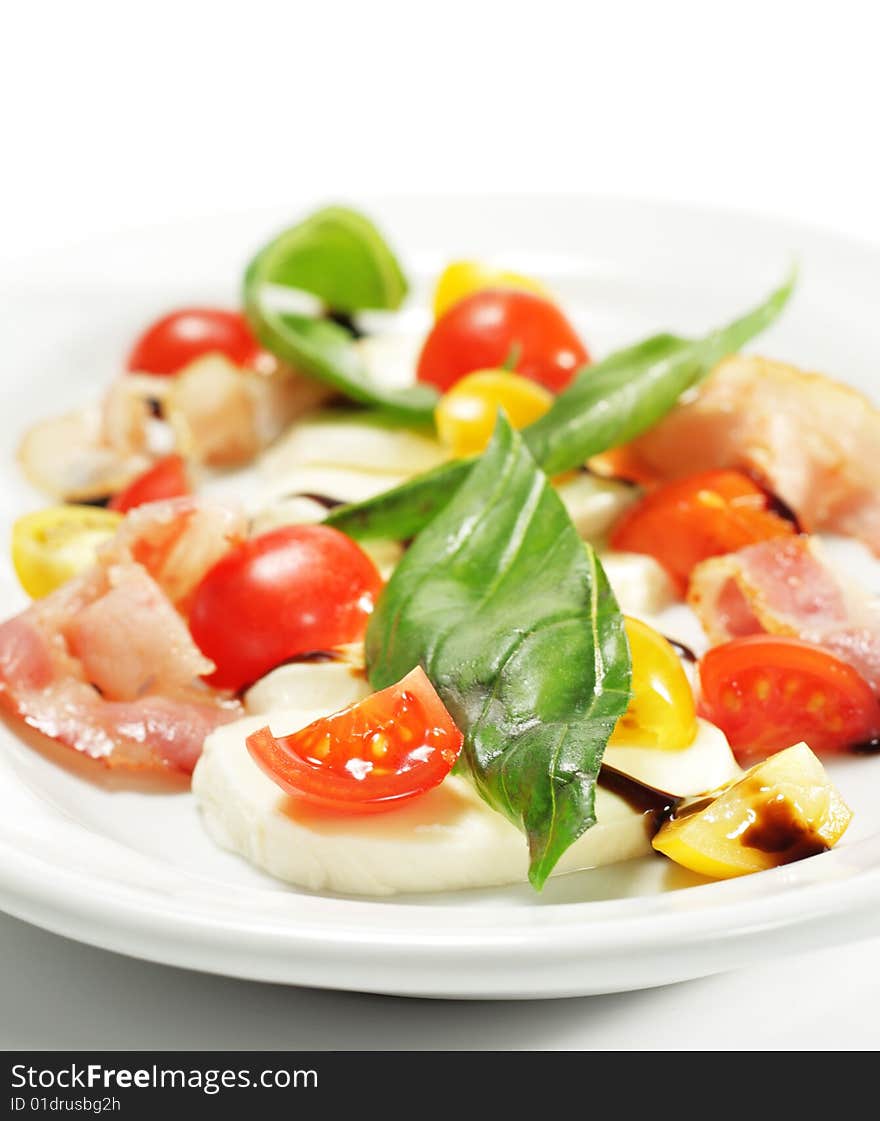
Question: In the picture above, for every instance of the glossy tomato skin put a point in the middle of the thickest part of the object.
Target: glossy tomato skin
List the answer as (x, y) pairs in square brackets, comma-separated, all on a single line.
[(685, 522), (165, 479), (182, 336), (287, 592), (498, 326), (769, 692), (661, 710), (369, 758)]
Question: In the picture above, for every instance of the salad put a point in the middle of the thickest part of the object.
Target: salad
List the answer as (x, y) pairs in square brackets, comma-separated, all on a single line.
[(466, 608)]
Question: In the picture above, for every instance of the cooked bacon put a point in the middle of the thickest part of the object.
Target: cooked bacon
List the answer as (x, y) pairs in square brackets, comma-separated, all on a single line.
[(106, 664), (130, 641), (811, 440), (67, 458), (783, 586), (177, 541), (224, 415)]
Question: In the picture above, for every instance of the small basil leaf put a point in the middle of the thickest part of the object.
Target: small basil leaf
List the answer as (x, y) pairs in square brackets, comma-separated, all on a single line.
[(336, 254), (325, 351), (606, 405), (514, 622)]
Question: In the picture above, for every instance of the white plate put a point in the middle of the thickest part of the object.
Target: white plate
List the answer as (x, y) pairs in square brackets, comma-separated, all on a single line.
[(104, 860)]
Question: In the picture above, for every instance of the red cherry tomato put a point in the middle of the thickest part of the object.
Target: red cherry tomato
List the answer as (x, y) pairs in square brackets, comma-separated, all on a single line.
[(165, 479), (372, 756), (768, 692), (706, 515), (287, 592), (180, 337), (497, 326)]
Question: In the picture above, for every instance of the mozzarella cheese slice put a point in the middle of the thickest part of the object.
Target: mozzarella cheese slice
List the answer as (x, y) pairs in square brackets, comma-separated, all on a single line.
[(445, 840), (346, 440), (594, 504), (329, 686), (705, 765), (391, 359), (641, 586)]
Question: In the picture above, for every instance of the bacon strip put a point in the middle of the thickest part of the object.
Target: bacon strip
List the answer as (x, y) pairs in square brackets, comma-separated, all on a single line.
[(783, 586), (106, 664), (810, 440)]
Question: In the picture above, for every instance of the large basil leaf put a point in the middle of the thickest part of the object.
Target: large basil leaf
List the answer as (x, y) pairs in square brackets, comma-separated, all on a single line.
[(338, 256), (514, 622), (607, 405)]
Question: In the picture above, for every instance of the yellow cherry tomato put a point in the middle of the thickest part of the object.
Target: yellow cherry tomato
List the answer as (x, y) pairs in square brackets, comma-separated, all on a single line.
[(466, 415), (661, 713), (462, 278), (49, 546), (781, 810)]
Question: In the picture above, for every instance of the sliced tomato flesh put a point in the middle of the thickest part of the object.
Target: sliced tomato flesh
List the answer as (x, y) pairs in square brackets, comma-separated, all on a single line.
[(706, 515), (372, 756), (768, 692)]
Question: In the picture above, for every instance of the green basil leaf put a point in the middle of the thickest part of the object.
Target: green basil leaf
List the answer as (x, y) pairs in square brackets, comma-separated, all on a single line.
[(324, 350), (515, 624), (401, 513), (618, 399), (339, 257), (336, 254), (606, 405)]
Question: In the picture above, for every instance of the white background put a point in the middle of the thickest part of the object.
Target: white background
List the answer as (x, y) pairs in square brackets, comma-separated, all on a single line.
[(121, 114)]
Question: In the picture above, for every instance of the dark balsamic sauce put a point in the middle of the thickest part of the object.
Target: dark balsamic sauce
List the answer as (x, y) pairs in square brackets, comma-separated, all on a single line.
[(640, 798), (322, 499), (778, 831), (344, 320), (315, 656), (866, 747), (585, 469), (681, 649), (775, 504)]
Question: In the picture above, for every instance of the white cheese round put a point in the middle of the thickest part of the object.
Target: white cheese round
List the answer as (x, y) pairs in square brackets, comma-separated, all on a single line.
[(594, 504), (325, 686), (445, 840), (640, 584), (704, 765)]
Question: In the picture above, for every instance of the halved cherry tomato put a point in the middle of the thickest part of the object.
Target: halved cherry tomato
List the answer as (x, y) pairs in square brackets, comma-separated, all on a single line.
[(661, 712), (706, 515), (165, 479), (768, 692), (496, 327), (466, 415), (180, 337), (370, 757), (287, 592), (51, 546), (462, 278)]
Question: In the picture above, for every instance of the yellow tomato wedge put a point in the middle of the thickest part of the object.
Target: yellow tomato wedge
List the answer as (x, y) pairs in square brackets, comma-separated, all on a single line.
[(49, 546), (661, 713), (781, 810), (466, 414), (462, 278)]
